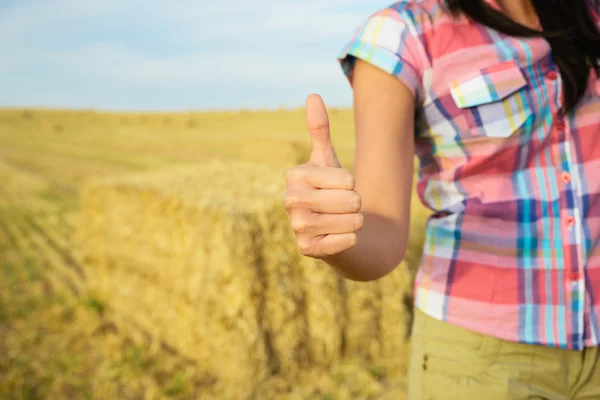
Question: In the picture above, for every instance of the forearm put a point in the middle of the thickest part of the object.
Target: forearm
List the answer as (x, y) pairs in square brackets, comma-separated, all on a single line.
[(380, 248)]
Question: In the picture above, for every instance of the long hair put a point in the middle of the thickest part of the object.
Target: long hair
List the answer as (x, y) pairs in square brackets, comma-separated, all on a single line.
[(567, 25)]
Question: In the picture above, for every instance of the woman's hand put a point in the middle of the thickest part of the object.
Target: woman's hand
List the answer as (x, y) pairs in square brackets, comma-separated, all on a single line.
[(320, 196)]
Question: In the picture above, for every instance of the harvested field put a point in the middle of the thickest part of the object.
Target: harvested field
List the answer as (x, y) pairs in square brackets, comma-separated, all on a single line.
[(149, 256)]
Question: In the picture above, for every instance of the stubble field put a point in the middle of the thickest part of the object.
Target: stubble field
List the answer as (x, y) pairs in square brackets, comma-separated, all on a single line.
[(147, 256)]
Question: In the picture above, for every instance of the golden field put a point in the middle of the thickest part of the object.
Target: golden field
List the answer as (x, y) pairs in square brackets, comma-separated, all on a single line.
[(148, 256)]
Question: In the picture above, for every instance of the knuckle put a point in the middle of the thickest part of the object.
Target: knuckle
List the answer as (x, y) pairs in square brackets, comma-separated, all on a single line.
[(305, 247), (296, 174), (290, 175), (300, 225), (291, 201)]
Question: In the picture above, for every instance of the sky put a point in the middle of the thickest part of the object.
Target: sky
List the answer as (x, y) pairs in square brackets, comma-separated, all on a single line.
[(152, 55)]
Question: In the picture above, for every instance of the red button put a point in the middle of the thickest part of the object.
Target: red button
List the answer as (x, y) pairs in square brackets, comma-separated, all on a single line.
[(552, 75), (574, 276), (566, 177), (560, 125), (570, 221)]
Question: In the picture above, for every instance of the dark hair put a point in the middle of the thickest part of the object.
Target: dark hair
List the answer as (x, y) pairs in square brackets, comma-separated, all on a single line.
[(567, 25)]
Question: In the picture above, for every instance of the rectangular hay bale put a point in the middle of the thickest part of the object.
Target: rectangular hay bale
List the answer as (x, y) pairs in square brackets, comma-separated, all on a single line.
[(217, 239), (204, 258)]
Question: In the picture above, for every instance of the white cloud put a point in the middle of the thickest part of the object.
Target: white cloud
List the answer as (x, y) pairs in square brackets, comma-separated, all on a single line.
[(178, 44), (108, 62)]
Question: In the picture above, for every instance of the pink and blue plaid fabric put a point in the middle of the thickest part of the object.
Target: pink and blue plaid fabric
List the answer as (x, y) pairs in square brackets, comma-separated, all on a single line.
[(513, 245)]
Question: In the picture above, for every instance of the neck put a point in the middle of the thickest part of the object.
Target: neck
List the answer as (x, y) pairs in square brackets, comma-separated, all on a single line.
[(520, 11)]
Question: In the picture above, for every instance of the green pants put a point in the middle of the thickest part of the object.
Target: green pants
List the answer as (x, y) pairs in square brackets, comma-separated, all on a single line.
[(448, 362)]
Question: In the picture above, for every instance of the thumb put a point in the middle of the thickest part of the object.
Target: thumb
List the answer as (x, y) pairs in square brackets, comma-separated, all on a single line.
[(317, 123)]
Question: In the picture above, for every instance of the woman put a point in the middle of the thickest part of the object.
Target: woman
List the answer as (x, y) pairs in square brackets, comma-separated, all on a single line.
[(500, 100)]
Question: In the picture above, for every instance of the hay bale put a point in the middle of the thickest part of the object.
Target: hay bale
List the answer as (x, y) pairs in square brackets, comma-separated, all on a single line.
[(303, 301), (182, 267), (284, 298), (227, 348), (214, 242), (380, 312), (346, 379), (325, 312), (363, 304), (394, 322), (204, 259)]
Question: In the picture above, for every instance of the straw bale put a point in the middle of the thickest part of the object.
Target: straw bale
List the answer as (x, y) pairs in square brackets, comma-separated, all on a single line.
[(304, 305), (164, 233), (217, 238), (380, 312), (394, 321), (203, 297), (203, 258), (344, 380), (225, 347), (325, 311), (363, 304)]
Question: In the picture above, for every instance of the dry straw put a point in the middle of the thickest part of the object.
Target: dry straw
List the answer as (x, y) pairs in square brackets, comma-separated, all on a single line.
[(178, 258), (203, 259)]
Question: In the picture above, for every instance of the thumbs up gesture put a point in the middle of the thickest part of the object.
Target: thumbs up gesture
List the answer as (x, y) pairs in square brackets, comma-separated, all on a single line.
[(320, 196)]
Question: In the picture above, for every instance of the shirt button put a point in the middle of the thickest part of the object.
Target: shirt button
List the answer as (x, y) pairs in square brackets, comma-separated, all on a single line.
[(560, 125), (574, 276), (570, 221), (552, 75), (566, 177)]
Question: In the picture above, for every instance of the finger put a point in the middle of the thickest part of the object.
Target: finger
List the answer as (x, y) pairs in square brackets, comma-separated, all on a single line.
[(333, 244), (333, 201), (326, 224), (331, 178), (317, 122), (321, 177)]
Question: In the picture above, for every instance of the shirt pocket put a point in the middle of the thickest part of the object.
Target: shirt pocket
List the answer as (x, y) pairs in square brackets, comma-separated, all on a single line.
[(493, 100)]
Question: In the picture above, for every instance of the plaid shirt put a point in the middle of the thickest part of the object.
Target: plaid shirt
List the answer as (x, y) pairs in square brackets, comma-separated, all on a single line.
[(512, 247)]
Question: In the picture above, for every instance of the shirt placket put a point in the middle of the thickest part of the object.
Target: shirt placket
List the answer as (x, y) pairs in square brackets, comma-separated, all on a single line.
[(570, 216)]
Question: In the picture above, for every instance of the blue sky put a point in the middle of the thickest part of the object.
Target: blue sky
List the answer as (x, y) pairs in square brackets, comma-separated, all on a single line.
[(175, 55)]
